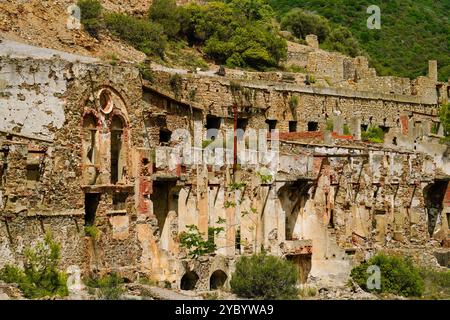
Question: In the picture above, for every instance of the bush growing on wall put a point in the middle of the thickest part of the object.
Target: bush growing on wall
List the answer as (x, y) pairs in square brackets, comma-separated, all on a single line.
[(373, 134), (398, 276), (40, 276), (266, 277), (110, 287)]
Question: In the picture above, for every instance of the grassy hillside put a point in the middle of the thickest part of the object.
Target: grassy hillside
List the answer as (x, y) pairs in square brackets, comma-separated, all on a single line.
[(412, 31)]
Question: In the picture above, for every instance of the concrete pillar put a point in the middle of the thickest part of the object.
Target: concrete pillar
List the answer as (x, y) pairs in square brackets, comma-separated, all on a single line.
[(426, 128), (338, 124), (433, 70), (230, 229), (219, 213), (355, 127), (203, 213)]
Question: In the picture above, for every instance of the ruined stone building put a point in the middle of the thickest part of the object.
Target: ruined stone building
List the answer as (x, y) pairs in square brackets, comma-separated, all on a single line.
[(86, 143)]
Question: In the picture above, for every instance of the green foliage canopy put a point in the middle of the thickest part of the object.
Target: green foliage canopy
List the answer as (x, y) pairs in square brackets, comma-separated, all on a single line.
[(265, 277), (398, 275), (40, 276)]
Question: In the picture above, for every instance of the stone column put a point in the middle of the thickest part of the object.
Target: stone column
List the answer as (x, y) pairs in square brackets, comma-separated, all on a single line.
[(433, 70), (338, 124), (355, 127), (312, 41)]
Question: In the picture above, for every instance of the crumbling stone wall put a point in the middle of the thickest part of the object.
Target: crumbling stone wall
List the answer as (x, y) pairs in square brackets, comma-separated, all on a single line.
[(328, 205)]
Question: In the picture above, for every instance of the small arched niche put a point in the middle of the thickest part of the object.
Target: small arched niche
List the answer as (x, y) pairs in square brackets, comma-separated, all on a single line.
[(189, 281), (217, 280), (106, 101)]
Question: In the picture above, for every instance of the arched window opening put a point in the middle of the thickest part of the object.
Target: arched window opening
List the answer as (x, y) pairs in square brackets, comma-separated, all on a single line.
[(117, 154), (90, 148), (105, 100), (189, 281), (217, 280)]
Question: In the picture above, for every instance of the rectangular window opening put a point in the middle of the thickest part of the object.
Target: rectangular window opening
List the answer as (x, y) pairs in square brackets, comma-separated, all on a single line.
[(213, 124), (164, 136), (271, 124), (292, 126), (91, 202), (119, 201), (313, 126)]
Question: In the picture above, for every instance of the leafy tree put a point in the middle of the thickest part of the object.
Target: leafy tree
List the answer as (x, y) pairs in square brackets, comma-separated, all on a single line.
[(236, 33), (91, 11), (167, 14), (194, 242), (40, 276), (144, 35), (200, 22), (398, 275), (250, 46), (342, 40), (302, 23), (261, 276), (253, 9)]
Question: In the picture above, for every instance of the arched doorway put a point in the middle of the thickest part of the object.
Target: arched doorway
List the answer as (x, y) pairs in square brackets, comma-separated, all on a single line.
[(434, 202), (217, 280), (189, 281)]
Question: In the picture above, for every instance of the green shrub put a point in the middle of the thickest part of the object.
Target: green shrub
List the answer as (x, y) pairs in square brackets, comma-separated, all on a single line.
[(167, 14), (91, 231), (144, 35), (109, 287), (265, 277), (302, 23), (308, 291), (146, 72), (91, 11), (437, 283), (293, 102), (347, 130), (373, 134), (195, 243), (330, 125), (296, 69), (40, 276), (342, 40), (236, 33), (398, 276), (176, 83)]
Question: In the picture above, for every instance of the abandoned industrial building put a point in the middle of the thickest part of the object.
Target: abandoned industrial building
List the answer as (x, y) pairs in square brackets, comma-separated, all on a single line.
[(87, 143)]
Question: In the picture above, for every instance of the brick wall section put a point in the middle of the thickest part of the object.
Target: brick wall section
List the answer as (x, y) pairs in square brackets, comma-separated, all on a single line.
[(447, 196), (404, 124)]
